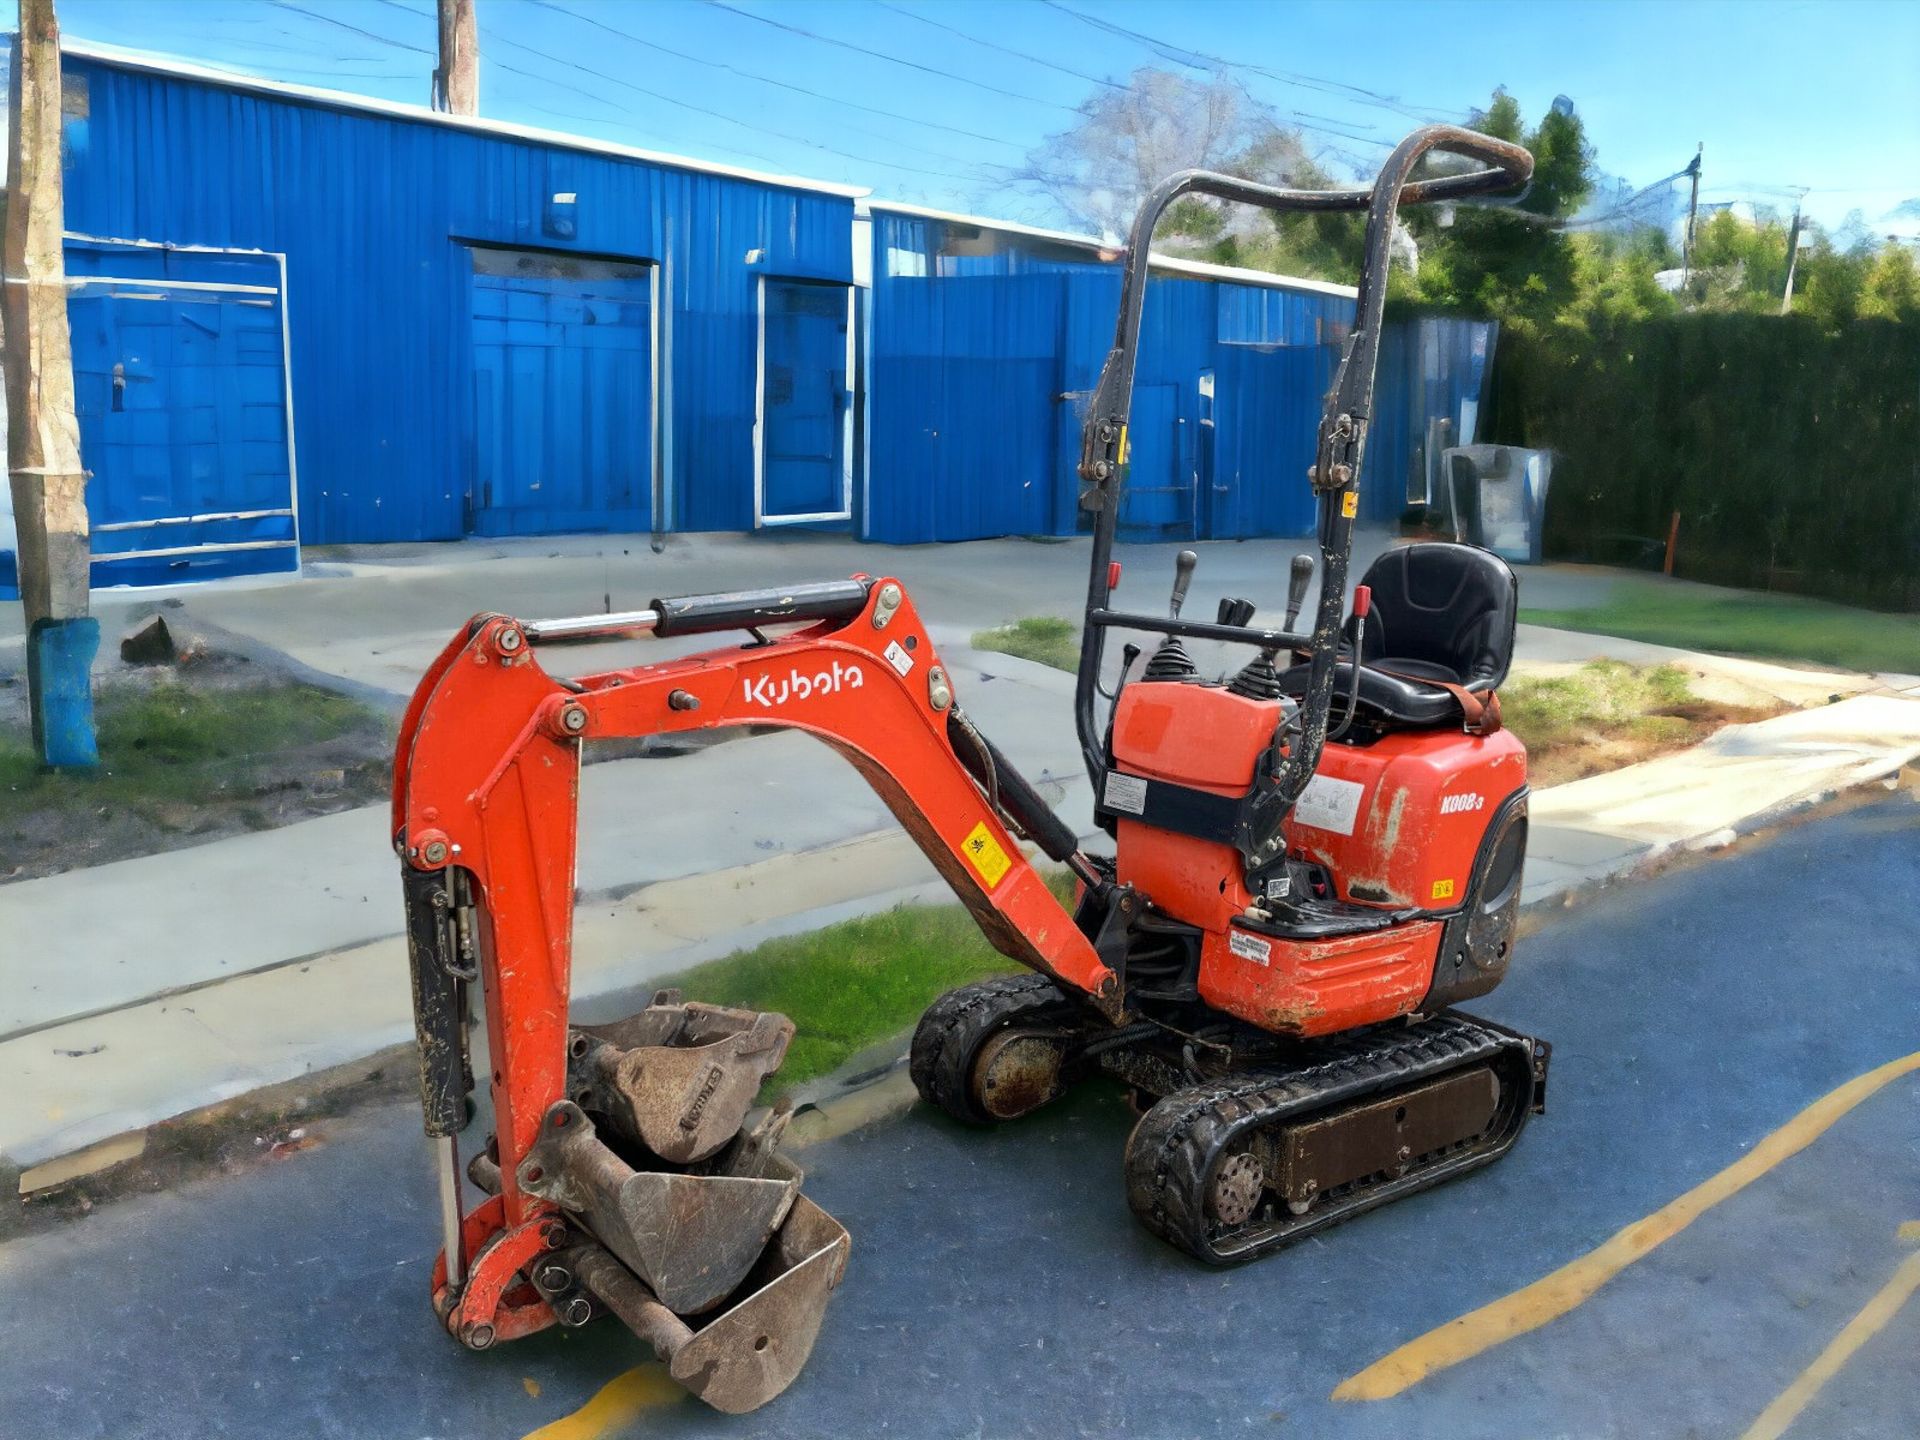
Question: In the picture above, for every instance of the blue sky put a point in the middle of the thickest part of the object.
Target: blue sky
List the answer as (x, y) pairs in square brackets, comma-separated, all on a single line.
[(1799, 93)]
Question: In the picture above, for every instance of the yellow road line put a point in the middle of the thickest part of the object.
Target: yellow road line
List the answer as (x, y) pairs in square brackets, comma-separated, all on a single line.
[(620, 1402), (1871, 1320), (1552, 1296)]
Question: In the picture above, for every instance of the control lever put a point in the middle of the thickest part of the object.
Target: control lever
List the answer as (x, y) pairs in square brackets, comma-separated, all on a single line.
[(1171, 661), (1260, 680), (1234, 611), (1297, 589), (1183, 565)]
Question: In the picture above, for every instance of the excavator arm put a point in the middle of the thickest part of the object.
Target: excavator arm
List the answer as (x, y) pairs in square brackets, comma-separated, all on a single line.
[(485, 803)]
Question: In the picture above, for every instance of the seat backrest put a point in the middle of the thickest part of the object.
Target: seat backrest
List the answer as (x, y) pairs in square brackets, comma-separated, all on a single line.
[(1446, 604)]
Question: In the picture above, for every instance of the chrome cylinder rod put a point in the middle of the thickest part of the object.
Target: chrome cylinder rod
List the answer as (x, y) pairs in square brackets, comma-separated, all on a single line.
[(446, 1155), (584, 629)]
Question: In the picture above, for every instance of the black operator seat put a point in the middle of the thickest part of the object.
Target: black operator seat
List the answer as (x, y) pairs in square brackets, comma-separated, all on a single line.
[(1440, 611)]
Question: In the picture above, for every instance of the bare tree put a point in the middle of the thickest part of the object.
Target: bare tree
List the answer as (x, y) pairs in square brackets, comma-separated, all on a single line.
[(1126, 141)]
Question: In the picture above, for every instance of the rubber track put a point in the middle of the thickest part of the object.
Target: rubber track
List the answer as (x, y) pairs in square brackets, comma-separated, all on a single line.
[(953, 1028), (1172, 1151)]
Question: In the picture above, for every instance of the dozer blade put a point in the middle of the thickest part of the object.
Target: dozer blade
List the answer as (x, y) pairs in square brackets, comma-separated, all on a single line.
[(691, 1238), (678, 1078), (752, 1350)]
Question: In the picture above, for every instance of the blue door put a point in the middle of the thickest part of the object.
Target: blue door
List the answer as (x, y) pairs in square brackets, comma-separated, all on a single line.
[(562, 394), (180, 389), (804, 404)]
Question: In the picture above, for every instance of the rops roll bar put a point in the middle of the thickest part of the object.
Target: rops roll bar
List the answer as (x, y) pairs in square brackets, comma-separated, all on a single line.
[(1343, 421)]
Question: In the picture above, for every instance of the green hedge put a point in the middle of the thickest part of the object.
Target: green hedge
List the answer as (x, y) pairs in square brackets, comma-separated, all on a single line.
[(1792, 454)]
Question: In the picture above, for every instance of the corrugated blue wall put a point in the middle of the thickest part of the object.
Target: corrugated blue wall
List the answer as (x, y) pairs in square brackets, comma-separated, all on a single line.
[(982, 362), (372, 211)]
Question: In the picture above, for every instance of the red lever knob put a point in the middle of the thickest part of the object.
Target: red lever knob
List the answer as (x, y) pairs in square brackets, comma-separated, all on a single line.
[(1362, 600), (1113, 575)]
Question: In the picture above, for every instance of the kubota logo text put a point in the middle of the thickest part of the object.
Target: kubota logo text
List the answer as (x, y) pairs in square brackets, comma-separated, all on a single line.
[(769, 693), (1454, 804)]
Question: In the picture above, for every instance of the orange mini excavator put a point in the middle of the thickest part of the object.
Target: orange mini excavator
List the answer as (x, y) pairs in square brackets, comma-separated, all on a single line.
[(1314, 859)]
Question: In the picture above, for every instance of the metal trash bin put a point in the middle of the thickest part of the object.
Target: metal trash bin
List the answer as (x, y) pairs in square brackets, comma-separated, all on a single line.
[(1496, 496)]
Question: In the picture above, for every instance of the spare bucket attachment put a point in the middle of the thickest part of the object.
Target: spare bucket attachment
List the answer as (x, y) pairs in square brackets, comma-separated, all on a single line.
[(678, 1078)]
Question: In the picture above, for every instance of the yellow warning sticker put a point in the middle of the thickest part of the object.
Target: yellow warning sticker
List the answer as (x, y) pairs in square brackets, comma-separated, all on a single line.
[(983, 852), (1443, 889), (1350, 504)]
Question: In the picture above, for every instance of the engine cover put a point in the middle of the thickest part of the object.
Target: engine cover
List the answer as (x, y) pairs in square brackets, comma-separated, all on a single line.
[(1397, 823)]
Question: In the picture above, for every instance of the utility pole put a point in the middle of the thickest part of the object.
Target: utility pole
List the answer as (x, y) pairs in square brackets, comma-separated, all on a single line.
[(1793, 258), (456, 83), (43, 435), (1693, 208)]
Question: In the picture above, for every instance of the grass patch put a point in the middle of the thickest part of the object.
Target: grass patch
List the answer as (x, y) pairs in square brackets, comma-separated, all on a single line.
[(1046, 638), (1608, 714), (1741, 622), (182, 762), (852, 984), (172, 742)]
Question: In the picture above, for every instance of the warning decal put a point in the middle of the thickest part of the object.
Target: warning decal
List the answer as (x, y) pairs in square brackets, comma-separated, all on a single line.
[(1249, 947), (1329, 804), (1125, 792), (983, 852)]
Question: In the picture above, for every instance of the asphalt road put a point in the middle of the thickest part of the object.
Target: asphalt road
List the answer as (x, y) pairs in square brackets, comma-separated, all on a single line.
[(999, 1288)]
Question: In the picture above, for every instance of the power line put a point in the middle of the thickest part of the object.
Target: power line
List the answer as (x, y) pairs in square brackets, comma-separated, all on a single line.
[(499, 39), (721, 115), (355, 29), (890, 59), (599, 74), (1200, 60), (771, 80), (1003, 49)]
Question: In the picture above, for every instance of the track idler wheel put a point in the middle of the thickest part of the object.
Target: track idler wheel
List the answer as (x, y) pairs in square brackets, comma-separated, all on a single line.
[(995, 1050)]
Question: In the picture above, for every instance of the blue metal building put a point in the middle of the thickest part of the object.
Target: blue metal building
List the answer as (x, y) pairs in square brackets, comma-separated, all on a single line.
[(487, 329), (307, 317)]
